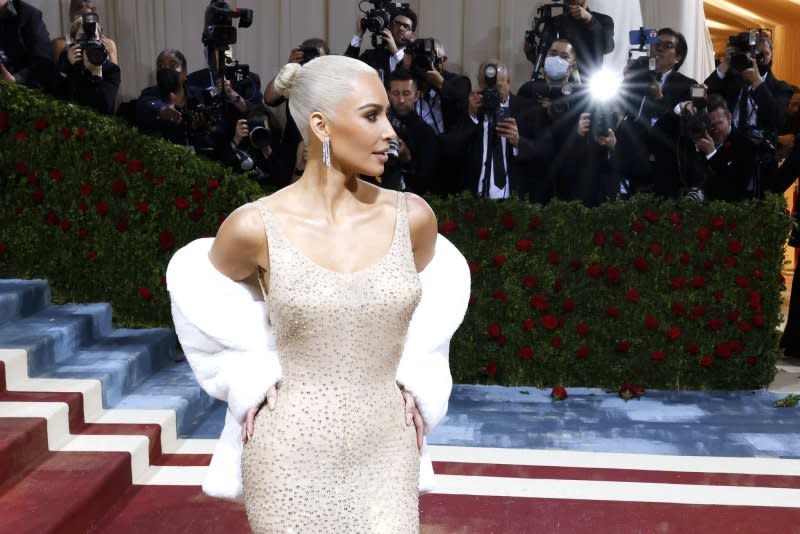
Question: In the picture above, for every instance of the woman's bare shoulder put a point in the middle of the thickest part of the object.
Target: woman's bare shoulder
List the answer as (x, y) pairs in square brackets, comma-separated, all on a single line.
[(240, 244), (423, 227)]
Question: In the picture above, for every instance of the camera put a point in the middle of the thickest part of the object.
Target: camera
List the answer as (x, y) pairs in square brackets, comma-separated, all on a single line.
[(208, 112), (309, 53), (542, 34), (379, 17), (640, 70), (236, 72), (424, 54), (218, 30), (559, 95), (260, 136), (93, 48), (696, 125), (745, 49), (491, 95)]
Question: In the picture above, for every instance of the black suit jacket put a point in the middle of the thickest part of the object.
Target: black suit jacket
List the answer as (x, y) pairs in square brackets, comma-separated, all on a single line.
[(729, 171), (591, 41), (377, 58), (26, 42), (771, 98), (454, 96)]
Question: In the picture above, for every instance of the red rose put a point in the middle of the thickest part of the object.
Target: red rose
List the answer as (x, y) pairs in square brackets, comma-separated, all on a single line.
[(473, 268), (166, 240), (121, 156), (80, 134), (758, 253), (668, 258), (530, 282), (717, 223), (556, 342), (4, 120), (715, 325), (82, 206), (91, 255), (673, 333), (499, 260), (447, 227), (20, 136), (553, 258), (630, 391), (51, 218), (213, 184), (735, 345), (549, 322), (697, 311), (757, 274), (582, 329), (751, 361), (491, 369), (494, 330), (484, 233), (469, 217), (599, 239), (568, 306), (742, 282), (55, 175), (86, 190), (534, 224), (508, 221), (83, 233), (87, 156), (657, 356), (66, 225), (582, 353), (500, 295), (135, 165), (197, 195), (121, 225), (501, 340), (677, 283), (618, 240), (40, 124), (160, 180), (632, 295), (575, 265), (675, 219), (731, 226), (640, 264), (594, 270), (3, 250), (181, 204), (650, 322), (684, 259), (612, 312), (744, 326), (678, 309), (693, 348), (622, 347), (703, 234), (102, 208), (698, 282), (523, 245), (539, 302), (119, 187), (558, 393), (143, 207), (145, 293), (734, 246), (66, 133), (753, 297), (651, 216), (707, 361), (758, 321), (21, 168), (709, 265), (718, 295), (733, 316), (613, 275), (197, 213), (637, 227), (525, 353), (37, 196), (528, 324)]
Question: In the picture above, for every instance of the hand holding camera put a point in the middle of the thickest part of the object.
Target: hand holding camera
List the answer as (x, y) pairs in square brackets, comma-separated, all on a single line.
[(241, 132), (705, 144), (579, 12)]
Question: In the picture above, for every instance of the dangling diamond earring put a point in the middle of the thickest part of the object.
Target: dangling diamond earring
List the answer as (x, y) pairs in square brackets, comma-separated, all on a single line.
[(326, 152)]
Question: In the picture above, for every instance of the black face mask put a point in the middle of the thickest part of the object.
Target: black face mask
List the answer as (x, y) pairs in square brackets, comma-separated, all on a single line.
[(763, 69), (168, 80)]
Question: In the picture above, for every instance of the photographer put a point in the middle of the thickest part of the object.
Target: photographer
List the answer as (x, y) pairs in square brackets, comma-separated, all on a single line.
[(85, 73), (492, 150), (726, 159), (417, 160), (389, 43), (252, 148), (591, 33), (744, 78), (78, 8), (290, 146), (25, 54)]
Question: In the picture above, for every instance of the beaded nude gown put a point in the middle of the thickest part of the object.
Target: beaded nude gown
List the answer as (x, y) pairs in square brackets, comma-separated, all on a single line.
[(336, 455)]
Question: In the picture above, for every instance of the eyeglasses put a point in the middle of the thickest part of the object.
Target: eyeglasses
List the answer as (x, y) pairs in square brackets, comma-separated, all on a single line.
[(402, 25), (669, 45)]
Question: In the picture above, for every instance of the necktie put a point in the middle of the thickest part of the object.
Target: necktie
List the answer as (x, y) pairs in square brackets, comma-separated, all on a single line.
[(498, 165)]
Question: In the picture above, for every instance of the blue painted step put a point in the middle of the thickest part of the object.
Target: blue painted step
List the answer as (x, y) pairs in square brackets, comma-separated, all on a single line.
[(20, 298)]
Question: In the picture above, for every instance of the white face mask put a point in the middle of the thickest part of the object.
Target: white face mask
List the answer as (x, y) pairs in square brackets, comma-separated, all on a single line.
[(556, 68)]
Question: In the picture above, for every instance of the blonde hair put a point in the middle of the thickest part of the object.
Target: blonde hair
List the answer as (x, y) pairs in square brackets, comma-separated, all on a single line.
[(318, 86)]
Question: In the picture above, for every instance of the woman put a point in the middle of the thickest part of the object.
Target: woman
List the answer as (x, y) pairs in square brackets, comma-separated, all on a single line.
[(78, 8), (359, 354)]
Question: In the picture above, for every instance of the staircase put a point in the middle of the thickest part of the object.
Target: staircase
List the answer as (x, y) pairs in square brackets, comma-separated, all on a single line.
[(97, 423)]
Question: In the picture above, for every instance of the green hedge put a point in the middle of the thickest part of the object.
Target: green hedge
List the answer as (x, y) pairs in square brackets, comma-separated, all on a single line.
[(659, 293)]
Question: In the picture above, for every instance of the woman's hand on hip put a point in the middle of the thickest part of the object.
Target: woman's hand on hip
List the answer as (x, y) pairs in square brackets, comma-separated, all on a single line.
[(412, 414), (249, 421)]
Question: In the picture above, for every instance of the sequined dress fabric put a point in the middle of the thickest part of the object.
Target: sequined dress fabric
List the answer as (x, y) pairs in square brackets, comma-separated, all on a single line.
[(336, 455)]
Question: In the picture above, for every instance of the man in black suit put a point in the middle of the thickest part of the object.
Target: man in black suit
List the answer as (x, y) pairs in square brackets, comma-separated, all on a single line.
[(756, 98), (26, 43), (492, 149), (391, 54), (444, 94), (725, 163)]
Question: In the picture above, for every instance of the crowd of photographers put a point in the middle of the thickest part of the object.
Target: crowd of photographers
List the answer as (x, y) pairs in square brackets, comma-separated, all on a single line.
[(662, 132)]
